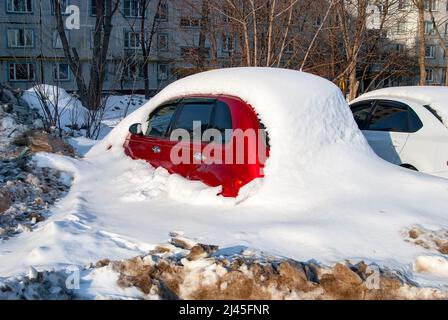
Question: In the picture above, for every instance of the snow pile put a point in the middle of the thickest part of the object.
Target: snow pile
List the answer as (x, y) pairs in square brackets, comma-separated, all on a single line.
[(69, 107), (435, 97)]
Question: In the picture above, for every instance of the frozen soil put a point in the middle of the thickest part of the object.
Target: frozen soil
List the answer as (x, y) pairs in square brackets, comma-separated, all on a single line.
[(26, 191), (183, 269)]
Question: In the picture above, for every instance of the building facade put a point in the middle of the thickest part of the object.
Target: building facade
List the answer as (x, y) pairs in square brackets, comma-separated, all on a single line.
[(402, 29), (31, 51)]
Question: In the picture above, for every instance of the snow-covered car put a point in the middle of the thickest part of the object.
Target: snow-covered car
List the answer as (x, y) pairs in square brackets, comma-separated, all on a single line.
[(203, 156), (407, 126)]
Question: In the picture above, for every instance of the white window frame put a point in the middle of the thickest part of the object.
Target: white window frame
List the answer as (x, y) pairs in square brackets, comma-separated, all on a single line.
[(159, 36), (128, 10), (127, 40), (429, 31), (432, 51), (401, 27), (16, 38), (164, 5), (14, 79), (10, 6), (226, 40), (433, 5), (57, 40), (64, 5), (57, 71), (162, 76)]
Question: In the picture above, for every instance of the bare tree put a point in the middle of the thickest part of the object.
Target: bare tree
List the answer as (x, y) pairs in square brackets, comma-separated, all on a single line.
[(420, 6), (90, 88)]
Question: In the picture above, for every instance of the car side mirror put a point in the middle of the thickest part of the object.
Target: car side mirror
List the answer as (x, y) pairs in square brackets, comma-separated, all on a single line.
[(136, 128)]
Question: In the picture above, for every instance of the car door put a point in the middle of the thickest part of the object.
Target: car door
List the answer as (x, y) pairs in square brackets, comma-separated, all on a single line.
[(193, 118), (150, 145), (387, 129)]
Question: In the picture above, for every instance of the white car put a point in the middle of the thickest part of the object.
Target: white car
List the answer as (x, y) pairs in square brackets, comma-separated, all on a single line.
[(407, 126)]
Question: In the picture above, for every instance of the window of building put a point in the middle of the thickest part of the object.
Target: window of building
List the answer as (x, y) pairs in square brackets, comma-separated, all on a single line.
[(429, 75), (94, 7), (401, 27), (430, 5), (133, 70), (61, 72), (19, 6), (430, 52), (63, 4), (228, 43), (21, 72), (401, 48), (92, 38), (134, 8), (20, 38), (57, 43), (132, 40), (162, 72), (162, 42), (190, 22), (429, 28), (402, 4), (162, 13)]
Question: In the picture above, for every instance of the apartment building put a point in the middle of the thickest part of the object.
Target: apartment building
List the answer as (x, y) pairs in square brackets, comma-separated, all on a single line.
[(402, 29), (31, 50)]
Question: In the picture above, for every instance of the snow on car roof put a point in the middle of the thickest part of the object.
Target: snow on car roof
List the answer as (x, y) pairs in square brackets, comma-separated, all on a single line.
[(303, 113), (435, 97)]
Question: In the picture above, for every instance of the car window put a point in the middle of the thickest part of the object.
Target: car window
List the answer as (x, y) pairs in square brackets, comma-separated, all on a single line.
[(361, 111), (391, 117), (160, 120), (192, 115), (223, 121)]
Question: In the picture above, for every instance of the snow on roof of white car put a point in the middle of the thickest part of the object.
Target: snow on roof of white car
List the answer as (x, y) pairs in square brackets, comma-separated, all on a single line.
[(435, 97)]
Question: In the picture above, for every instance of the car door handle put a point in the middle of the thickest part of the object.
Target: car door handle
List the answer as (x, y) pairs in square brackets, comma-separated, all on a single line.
[(156, 149)]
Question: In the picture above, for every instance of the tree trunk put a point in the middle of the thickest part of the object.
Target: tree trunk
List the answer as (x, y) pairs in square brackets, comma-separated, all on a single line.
[(421, 41)]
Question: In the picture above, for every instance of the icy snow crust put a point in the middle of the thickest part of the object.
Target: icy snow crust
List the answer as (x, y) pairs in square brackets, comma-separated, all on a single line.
[(326, 195), (436, 97)]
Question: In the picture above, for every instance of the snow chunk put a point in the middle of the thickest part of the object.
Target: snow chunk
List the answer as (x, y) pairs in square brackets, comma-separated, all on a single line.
[(436, 265)]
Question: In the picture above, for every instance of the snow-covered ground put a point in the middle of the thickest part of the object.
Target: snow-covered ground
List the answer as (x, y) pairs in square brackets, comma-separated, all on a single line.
[(326, 195)]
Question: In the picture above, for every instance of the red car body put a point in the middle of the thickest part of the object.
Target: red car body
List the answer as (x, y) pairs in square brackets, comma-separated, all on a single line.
[(231, 176)]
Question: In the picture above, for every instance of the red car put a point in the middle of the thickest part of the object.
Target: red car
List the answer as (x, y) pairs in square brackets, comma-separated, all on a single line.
[(223, 143)]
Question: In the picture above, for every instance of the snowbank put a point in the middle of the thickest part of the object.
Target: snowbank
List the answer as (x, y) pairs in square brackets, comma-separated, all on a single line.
[(436, 97), (70, 108)]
